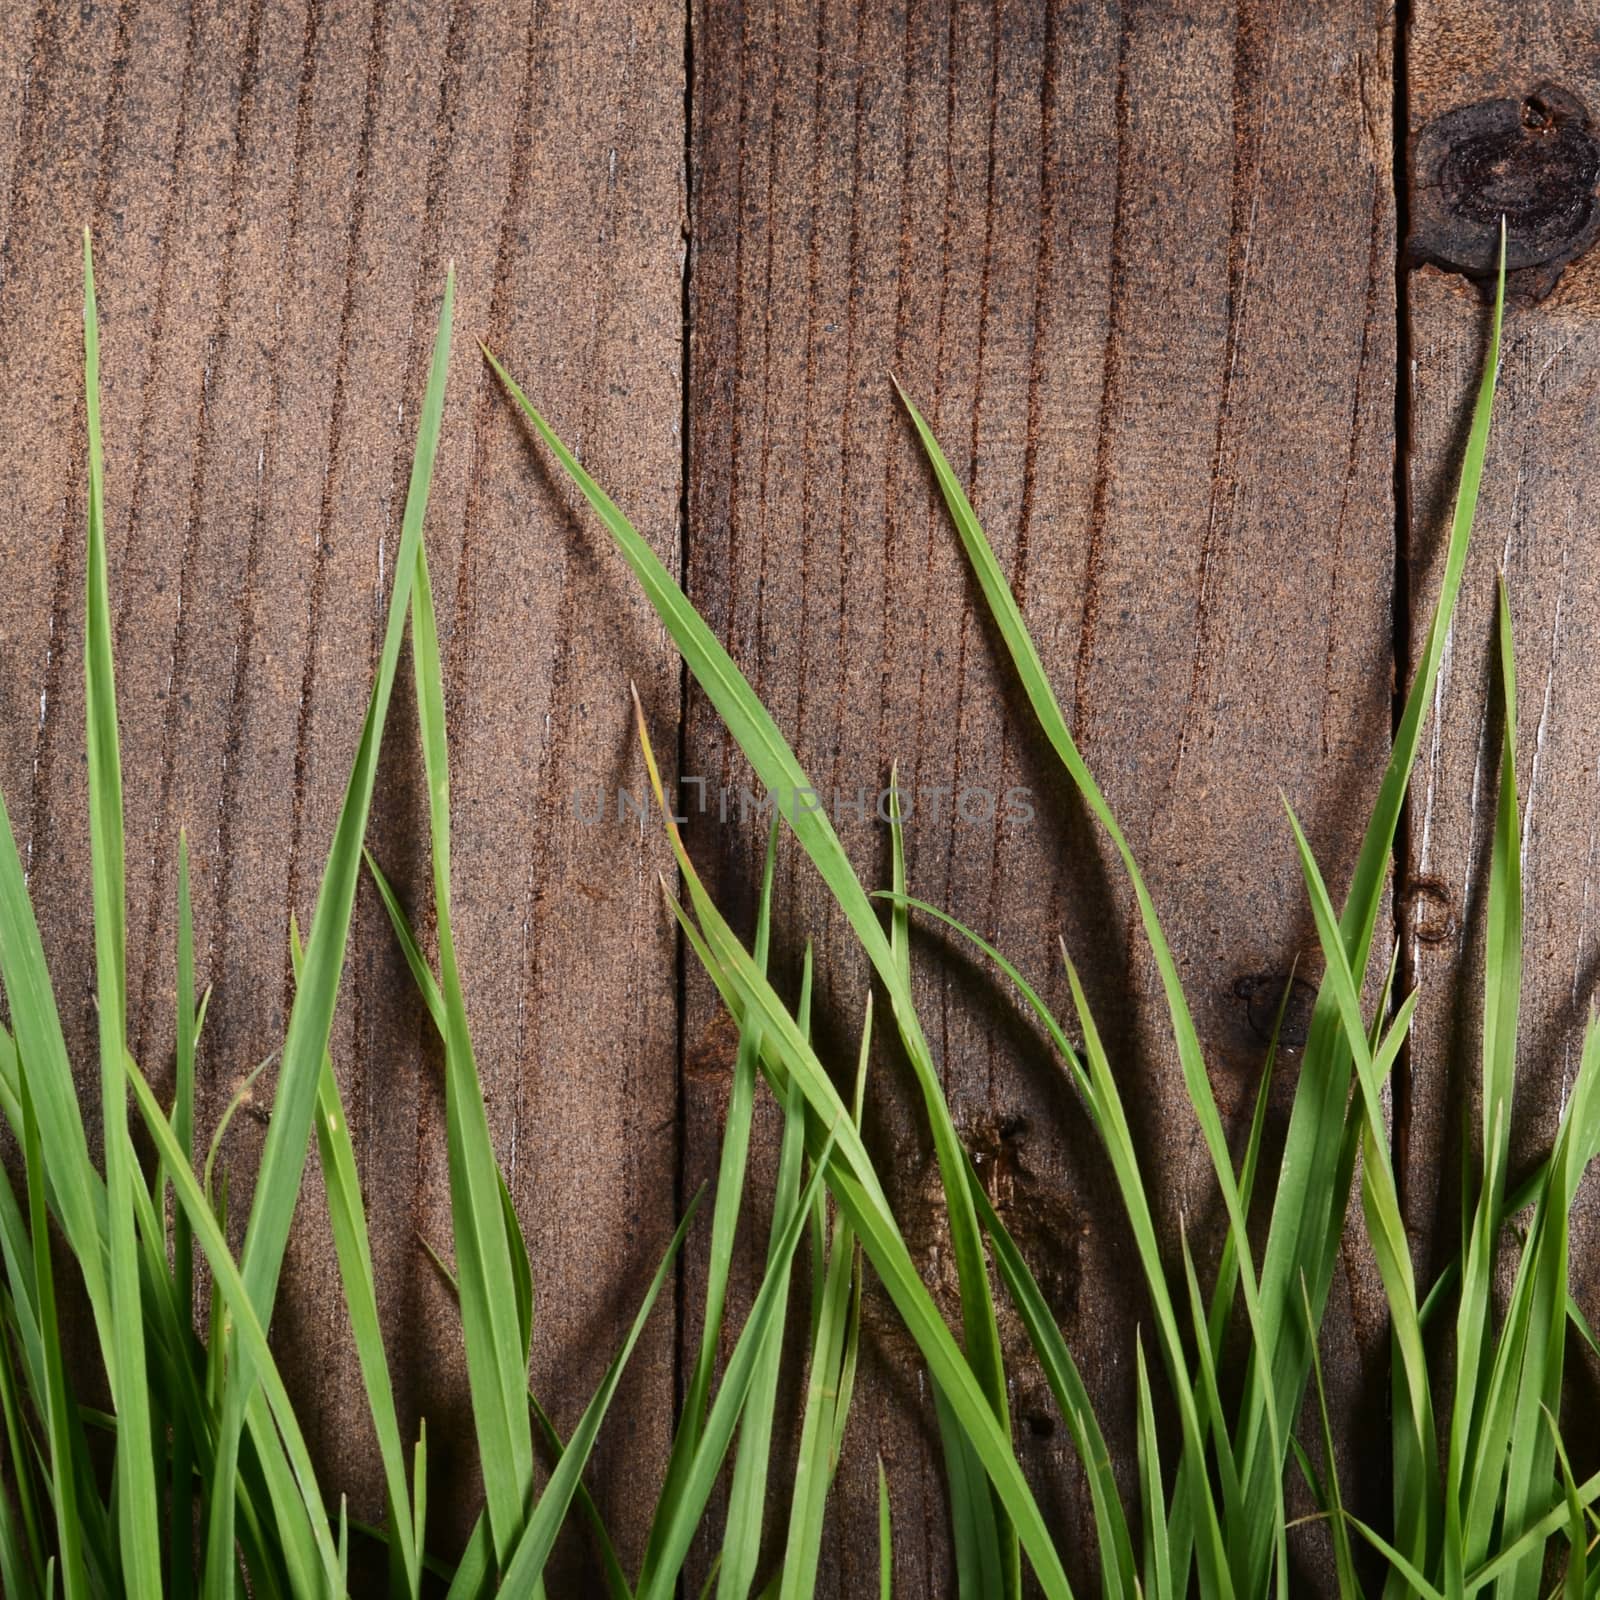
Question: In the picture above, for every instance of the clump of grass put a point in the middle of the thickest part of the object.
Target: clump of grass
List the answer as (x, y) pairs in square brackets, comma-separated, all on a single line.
[(1488, 1504), (205, 1485), (199, 1481)]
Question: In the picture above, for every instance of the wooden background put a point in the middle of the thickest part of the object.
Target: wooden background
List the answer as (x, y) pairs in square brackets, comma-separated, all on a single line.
[(1144, 267)]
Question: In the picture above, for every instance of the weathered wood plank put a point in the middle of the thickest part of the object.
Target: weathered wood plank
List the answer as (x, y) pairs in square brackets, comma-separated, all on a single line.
[(1536, 523), (275, 192), (1151, 314)]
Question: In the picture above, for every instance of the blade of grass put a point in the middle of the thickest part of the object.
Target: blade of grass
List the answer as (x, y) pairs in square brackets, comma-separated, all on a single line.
[(1003, 609), (885, 1538), (1502, 965), (1157, 1554), (137, 1499), (288, 1139), (972, 1526), (497, 1351), (747, 1494), (775, 764), (616, 1581), (347, 1219), (1301, 1237)]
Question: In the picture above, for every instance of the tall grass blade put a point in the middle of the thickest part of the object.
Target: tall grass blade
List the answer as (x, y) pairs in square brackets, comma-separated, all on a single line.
[(741, 1548), (1047, 712), (885, 1538), (492, 1304), (181, 1496), (288, 1139), (1157, 1553), (775, 764), (137, 1499), (1308, 1208)]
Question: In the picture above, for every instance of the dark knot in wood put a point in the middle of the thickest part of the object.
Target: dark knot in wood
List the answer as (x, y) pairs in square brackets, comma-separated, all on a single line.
[(1263, 997), (1535, 160)]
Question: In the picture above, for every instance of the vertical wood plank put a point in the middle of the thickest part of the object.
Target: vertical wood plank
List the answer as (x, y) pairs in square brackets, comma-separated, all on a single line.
[(276, 190), (1536, 522), (1137, 264)]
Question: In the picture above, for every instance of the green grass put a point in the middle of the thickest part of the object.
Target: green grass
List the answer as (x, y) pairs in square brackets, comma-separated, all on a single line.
[(198, 1481)]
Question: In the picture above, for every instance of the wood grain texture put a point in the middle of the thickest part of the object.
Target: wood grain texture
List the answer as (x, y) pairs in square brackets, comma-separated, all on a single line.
[(1137, 264), (275, 191), (1536, 524)]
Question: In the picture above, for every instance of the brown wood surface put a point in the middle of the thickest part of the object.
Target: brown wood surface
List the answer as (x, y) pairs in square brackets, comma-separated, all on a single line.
[(275, 191), (1138, 263), (1537, 525), (1153, 322)]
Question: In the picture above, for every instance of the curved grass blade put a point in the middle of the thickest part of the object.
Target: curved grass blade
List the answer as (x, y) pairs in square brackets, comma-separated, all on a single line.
[(19, 1446), (1003, 609), (1304, 1232), (1298, 1239), (774, 762)]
